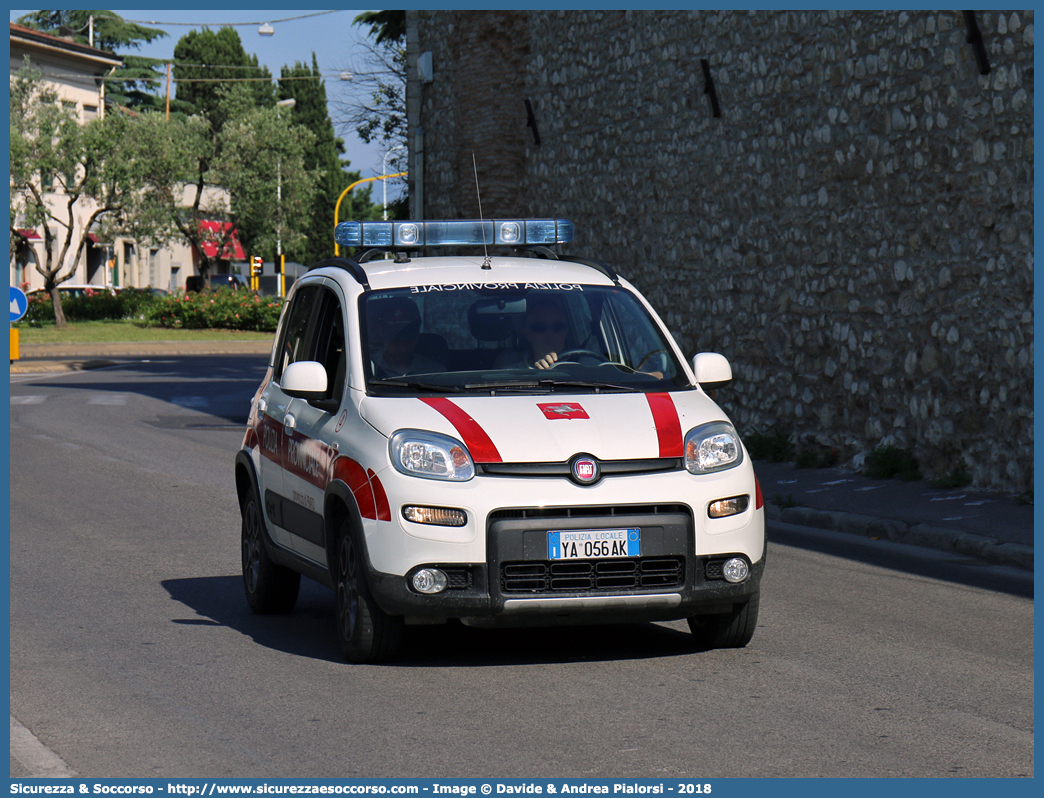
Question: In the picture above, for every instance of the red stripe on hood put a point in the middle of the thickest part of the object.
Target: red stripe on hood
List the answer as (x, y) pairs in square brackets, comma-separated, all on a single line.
[(475, 438), (668, 427)]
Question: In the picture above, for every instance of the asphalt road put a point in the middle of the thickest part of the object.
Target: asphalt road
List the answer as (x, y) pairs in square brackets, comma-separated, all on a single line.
[(133, 652)]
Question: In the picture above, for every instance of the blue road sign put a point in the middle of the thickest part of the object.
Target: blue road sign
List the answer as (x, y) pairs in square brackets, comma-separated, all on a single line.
[(19, 303)]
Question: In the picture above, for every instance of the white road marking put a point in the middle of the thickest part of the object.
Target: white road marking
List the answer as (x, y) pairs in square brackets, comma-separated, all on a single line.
[(27, 400), (108, 399), (34, 756)]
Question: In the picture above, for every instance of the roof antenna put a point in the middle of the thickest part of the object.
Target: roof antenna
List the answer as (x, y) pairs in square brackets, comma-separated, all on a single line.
[(486, 264)]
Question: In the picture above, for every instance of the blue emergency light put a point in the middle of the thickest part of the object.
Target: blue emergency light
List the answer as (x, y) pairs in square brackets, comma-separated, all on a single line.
[(471, 232)]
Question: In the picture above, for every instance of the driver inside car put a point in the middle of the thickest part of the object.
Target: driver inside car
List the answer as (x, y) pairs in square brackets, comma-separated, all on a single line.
[(544, 330)]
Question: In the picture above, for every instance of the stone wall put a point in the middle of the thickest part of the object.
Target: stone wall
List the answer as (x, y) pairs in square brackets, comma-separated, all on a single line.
[(854, 232)]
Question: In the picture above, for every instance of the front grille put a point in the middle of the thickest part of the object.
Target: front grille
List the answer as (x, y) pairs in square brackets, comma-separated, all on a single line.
[(523, 513), (561, 576), (607, 467)]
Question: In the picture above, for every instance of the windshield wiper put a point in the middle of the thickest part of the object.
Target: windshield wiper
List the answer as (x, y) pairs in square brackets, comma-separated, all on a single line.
[(547, 385), (506, 385), (415, 385), (552, 384)]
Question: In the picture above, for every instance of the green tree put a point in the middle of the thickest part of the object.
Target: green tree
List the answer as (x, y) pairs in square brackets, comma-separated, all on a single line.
[(385, 26), (134, 84), (305, 85), (70, 179), (198, 173), (207, 64)]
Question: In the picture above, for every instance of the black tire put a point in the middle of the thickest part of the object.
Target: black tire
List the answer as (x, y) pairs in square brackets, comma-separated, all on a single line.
[(270, 589), (367, 633), (732, 630)]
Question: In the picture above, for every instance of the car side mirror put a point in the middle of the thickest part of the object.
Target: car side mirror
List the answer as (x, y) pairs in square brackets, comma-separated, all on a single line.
[(305, 379), (712, 370)]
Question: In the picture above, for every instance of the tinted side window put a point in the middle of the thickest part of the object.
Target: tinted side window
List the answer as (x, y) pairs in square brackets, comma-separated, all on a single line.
[(294, 340), (329, 344)]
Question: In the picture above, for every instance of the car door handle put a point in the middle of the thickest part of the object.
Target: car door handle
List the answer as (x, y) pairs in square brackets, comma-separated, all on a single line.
[(289, 423)]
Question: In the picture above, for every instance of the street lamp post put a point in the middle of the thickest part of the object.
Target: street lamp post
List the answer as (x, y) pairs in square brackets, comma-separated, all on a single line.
[(337, 207), (288, 103), (384, 177)]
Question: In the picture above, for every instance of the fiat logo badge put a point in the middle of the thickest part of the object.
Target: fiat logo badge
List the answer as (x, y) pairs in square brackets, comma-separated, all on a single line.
[(584, 469)]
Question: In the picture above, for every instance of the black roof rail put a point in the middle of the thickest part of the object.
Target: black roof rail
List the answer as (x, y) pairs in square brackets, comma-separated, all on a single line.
[(540, 251), (372, 253), (549, 254), (604, 268), (402, 255), (350, 266)]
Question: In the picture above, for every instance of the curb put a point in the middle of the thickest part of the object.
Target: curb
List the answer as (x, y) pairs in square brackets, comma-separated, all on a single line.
[(46, 367), (951, 541), (50, 358)]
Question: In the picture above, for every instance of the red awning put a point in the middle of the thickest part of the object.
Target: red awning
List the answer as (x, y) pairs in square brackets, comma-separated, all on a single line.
[(213, 233), (30, 234), (92, 238)]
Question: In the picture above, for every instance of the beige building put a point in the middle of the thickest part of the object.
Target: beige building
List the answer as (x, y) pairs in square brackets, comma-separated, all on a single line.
[(76, 73)]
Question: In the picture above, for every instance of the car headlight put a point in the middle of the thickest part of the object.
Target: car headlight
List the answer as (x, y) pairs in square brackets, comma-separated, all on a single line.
[(712, 447), (430, 455)]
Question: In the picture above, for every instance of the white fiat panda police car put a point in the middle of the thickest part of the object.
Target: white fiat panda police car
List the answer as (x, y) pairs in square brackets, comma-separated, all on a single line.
[(510, 440)]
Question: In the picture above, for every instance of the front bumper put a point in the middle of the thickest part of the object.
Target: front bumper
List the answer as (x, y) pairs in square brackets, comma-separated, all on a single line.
[(519, 586)]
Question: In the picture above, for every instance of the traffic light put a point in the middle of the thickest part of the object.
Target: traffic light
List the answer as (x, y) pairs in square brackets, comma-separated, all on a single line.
[(255, 272)]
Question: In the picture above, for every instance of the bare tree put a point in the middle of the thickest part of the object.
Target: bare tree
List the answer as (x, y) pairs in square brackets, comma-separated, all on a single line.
[(374, 106)]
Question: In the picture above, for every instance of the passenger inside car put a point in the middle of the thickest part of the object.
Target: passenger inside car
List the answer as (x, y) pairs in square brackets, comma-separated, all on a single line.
[(398, 326)]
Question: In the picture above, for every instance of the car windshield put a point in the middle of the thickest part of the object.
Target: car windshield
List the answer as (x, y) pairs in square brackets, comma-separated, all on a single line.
[(493, 338)]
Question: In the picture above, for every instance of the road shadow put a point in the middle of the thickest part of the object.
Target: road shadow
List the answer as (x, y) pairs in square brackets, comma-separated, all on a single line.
[(226, 381), (308, 631), (913, 560)]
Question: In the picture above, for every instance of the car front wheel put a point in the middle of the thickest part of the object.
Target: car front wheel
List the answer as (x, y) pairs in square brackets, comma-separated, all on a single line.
[(367, 634), (731, 630)]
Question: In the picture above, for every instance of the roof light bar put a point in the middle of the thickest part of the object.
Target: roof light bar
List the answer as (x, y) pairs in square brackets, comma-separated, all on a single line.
[(472, 232)]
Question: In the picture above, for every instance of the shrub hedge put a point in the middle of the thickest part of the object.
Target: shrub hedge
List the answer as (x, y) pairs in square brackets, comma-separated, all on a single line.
[(219, 309), (223, 308)]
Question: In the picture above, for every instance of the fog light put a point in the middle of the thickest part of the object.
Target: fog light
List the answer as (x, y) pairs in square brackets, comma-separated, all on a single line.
[(429, 580), (723, 508), (439, 516), (735, 570)]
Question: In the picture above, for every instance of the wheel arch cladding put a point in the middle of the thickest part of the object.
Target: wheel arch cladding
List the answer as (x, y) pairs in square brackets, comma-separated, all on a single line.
[(340, 506), (246, 479)]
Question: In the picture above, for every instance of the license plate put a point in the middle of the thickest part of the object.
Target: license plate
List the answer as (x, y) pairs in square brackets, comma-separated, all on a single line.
[(593, 544)]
